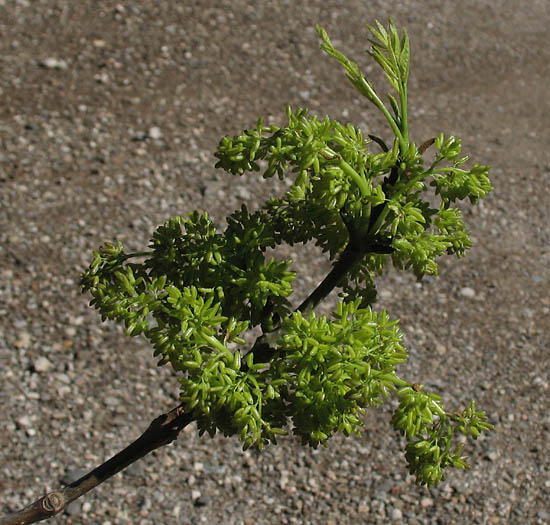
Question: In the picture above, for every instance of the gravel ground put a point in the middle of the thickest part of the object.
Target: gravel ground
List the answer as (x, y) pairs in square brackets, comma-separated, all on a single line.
[(109, 115)]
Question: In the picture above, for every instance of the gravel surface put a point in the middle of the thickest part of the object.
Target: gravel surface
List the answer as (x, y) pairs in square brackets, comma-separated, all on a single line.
[(109, 115)]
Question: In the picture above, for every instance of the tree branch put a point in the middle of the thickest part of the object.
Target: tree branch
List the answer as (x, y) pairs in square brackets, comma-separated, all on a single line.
[(348, 259), (162, 431)]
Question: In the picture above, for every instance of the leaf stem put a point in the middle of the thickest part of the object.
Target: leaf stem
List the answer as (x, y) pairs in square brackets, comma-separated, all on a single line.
[(404, 123), (373, 97), (360, 181)]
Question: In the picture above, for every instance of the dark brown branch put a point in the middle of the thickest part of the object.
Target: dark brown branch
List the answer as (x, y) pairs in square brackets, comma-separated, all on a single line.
[(348, 259), (162, 431)]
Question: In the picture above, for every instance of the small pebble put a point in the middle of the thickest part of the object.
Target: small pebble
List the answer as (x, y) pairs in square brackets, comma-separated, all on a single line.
[(135, 469), (73, 509), (24, 421), (42, 364), (155, 133), (243, 193), (54, 63), (23, 341), (396, 514), (426, 502), (468, 292), (112, 401)]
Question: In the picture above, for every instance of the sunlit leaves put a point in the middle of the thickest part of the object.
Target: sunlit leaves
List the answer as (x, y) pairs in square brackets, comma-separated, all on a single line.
[(199, 289), (335, 368), (431, 431), (453, 182), (392, 53)]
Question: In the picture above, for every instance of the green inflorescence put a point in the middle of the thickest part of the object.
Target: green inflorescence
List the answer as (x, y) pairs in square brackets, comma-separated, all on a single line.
[(198, 290)]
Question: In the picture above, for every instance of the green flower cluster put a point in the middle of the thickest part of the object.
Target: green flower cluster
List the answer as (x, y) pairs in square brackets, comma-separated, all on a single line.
[(198, 290), (321, 376), (335, 177), (194, 285), (336, 368), (430, 431), (343, 193)]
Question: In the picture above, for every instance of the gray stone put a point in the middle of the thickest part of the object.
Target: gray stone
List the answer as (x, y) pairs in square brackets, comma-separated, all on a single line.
[(54, 63), (468, 292), (155, 133), (42, 364)]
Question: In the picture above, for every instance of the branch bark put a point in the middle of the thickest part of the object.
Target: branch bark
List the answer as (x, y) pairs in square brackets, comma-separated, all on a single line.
[(162, 431)]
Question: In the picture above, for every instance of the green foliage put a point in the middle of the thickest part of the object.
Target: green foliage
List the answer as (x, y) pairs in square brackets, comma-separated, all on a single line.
[(430, 431), (336, 368), (198, 290)]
